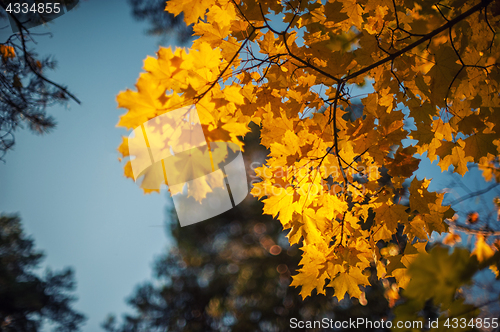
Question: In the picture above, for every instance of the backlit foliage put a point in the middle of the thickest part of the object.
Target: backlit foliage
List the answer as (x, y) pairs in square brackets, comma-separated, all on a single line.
[(339, 179)]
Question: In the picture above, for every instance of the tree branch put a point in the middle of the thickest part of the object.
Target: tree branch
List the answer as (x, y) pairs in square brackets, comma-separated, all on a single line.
[(474, 194)]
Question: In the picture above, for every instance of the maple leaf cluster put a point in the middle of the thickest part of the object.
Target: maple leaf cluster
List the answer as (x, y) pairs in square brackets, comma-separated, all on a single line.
[(292, 67)]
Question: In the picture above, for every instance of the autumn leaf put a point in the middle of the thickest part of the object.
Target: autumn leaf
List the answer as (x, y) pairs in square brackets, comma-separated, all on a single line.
[(349, 282), (420, 198), (7, 52), (438, 274), (391, 215), (192, 10), (309, 280), (479, 145), (482, 250)]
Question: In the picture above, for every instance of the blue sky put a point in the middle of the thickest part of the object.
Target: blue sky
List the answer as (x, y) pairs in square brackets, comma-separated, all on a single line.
[(68, 186)]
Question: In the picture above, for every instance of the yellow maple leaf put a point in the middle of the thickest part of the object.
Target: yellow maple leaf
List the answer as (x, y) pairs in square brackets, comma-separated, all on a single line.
[(142, 105), (307, 225), (391, 215), (309, 280), (233, 94), (281, 202), (349, 282), (7, 52)]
